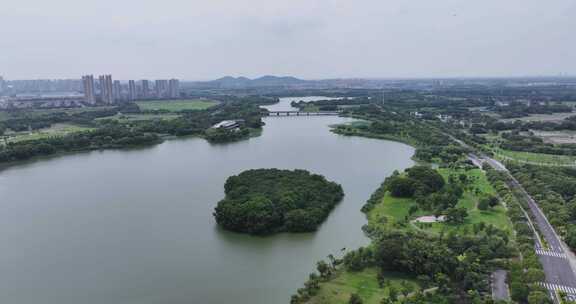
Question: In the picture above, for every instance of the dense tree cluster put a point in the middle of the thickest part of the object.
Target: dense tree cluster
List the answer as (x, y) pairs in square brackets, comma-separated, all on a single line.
[(456, 264), (521, 109), (102, 138), (529, 143), (224, 135), (265, 201), (555, 191), (526, 273)]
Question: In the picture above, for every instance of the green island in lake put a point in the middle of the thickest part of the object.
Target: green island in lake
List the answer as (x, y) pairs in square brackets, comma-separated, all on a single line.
[(265, 201)]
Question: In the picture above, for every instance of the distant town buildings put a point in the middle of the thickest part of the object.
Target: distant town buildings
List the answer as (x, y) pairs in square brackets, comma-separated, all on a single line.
[(86, 91), (106, 89), (145, 89), (174, 88), (132, 95), (114, 92), (117, 91), (2, 85), (89, 95), (161, 88)]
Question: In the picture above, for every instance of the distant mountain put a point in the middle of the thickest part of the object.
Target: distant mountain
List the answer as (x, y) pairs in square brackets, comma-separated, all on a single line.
[(264, 81)]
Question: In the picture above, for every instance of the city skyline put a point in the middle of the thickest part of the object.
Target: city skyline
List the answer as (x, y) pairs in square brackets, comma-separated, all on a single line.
[(109, 91)]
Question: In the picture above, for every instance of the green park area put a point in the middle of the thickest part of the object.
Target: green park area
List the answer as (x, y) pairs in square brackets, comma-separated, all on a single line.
[(176, 105), (55, 130), (535, 158), (363, 283), (124, 118), (401, 213)]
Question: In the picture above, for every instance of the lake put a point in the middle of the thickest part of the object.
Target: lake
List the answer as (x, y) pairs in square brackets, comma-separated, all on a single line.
[(136, 226)]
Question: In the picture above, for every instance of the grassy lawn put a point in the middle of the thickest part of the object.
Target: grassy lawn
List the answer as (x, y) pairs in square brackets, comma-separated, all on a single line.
[(176, 105), (537, 158), (55, 130), (363, 283), (392, 212), (4, 115), (139, 117)]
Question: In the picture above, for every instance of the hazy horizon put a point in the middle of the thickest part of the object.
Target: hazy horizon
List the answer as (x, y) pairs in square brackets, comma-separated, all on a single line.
[(308, 39)]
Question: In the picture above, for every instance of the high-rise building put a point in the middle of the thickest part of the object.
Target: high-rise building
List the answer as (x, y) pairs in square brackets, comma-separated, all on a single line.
[(161, 88), (174, 88), (132, 90), (145, 89), (88, 83), (117, 90), (106, 89)]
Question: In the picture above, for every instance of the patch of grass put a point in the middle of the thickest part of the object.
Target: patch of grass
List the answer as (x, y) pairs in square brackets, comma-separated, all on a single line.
[(478, 188), (139, 117), (176, 105), (391, 211), (70, 110), (536, 158), (363, 283), (541, 117), (35, 113), (55, 130)]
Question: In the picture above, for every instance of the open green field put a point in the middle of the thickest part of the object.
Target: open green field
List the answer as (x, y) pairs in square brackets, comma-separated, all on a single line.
[(55, 130), (542, 117), (139, 117), (536, 158), (176, 105), (5, 115), (363, 283), (393, 212)]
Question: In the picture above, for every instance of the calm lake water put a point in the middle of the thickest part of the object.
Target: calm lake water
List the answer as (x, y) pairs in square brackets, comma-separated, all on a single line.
[(123, 227)]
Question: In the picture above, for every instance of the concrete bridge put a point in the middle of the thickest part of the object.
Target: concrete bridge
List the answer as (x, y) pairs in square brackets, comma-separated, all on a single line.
[(301, 113)]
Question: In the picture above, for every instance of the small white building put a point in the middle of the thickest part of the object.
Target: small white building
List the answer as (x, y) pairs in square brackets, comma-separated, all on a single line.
[(226, 124)]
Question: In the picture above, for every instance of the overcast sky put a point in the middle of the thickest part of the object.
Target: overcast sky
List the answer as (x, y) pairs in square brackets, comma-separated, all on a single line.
[(197, 40)]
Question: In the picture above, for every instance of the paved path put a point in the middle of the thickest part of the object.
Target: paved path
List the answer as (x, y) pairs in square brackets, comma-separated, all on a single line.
[(499, 286)]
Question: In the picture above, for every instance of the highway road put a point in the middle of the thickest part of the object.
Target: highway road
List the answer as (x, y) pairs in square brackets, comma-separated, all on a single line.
[(553, 253)]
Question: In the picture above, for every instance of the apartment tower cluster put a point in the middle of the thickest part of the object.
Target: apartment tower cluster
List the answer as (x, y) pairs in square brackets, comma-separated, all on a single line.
[(107, 91)]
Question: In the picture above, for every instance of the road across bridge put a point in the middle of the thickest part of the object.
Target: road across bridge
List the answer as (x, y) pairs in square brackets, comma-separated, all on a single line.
[(301, 113)]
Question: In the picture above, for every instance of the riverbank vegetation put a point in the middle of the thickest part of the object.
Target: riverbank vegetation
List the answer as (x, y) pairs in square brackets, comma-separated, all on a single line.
[(265, 201), (27, 134), (452, 259)]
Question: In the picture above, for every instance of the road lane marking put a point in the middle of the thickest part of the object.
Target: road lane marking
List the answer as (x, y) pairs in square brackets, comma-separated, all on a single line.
[(556, 287), (550, 253)]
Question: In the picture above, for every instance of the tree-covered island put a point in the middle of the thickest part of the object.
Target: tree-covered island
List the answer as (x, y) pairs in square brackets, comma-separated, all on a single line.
[(264, 201)]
